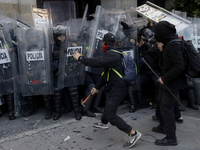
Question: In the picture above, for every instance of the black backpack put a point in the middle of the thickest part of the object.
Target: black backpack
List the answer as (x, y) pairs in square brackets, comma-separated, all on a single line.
[(191, 57)]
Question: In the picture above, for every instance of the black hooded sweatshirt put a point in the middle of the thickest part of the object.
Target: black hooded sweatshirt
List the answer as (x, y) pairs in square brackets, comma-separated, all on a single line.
[(108, 60), (173, 61)]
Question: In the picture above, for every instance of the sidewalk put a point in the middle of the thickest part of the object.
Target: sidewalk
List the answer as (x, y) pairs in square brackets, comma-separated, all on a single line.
[(83, 136)]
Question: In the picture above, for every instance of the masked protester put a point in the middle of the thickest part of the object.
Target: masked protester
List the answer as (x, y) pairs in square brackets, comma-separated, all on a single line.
[(173, 76), (116, 89)]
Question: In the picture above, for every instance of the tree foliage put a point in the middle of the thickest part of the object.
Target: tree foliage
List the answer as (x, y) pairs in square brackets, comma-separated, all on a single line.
[(192, 7)]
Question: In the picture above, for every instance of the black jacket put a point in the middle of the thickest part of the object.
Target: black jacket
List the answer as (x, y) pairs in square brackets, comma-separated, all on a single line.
[(151, 54), (173, 66), (108, 60)]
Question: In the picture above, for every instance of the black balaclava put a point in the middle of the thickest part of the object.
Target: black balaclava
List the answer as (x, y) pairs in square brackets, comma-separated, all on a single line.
[(165, 32)]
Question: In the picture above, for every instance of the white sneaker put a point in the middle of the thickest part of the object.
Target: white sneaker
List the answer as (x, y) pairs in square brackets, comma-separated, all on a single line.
[(132, 140), (100, 125)]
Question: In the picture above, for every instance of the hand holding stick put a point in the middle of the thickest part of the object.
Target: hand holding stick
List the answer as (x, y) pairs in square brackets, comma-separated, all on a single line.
[(93, 91)]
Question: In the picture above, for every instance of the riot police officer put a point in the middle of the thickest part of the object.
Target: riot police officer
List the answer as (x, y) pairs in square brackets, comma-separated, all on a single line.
[(59, 34)]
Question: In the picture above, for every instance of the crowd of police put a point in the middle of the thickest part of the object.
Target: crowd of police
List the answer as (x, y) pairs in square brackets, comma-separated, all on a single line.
[(39, 64)]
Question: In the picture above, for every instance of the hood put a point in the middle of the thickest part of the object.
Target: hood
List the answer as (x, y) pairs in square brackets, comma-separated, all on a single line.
[(165, 32)]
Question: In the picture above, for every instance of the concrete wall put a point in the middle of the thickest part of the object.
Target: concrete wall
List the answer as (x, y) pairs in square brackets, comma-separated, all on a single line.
[(25, 10), (22, 7), (119, 4)]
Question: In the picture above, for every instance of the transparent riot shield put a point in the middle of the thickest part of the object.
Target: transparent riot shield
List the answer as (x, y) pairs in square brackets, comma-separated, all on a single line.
[(71, 72), (7, 60), (127, 40), (34, 61), (9, 77), (104, 22), (192, 32), (60, 11)]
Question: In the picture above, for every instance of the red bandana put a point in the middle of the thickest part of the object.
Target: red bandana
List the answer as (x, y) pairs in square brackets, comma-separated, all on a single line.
[(104, 48)]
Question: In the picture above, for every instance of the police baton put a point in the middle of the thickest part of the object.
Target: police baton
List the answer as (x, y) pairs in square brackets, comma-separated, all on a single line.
[(165, 85)]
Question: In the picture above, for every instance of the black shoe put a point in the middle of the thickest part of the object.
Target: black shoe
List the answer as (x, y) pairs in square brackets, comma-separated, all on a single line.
[(179, 120), (159, 129), (181, 108), (89, 113), (30, 113), (195, 107), (12, 117), (78, 116), (97, 110), (48, 115), (133, 108), (1, 113), (166, 142), (56, 116), (66, 110), (155, 118)]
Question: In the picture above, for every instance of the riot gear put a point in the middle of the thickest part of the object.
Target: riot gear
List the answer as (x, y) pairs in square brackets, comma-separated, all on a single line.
[(8, 71), (34, 66), (59, 30), (147, 34), (34, 62)]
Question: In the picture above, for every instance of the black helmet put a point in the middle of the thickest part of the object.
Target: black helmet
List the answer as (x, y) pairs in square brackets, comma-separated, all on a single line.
[(59, 30), (147, 34)]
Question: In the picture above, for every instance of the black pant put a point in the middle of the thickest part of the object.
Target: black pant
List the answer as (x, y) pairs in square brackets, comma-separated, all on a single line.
[(167, 105), (113, 100), (177, 113)]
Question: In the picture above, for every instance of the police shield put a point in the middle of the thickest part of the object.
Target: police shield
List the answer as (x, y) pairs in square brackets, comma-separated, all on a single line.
[(127, 39), (104, 22), (71, 72), (9, 77), (34, 61), (191, 32), (7, 57), (60, 11)]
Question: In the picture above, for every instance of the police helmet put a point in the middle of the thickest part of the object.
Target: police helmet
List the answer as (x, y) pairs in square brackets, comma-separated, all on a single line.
[(147, 34), (31, 33), (59, 30), (119, 36)]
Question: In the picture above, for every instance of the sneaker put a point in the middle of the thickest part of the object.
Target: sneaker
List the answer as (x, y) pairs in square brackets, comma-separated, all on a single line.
[(100, 125), (132, 140)]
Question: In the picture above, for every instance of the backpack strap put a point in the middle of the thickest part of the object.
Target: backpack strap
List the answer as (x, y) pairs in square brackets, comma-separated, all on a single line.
[(119, 52), (175, 40), (115, 69), (117, 72)]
